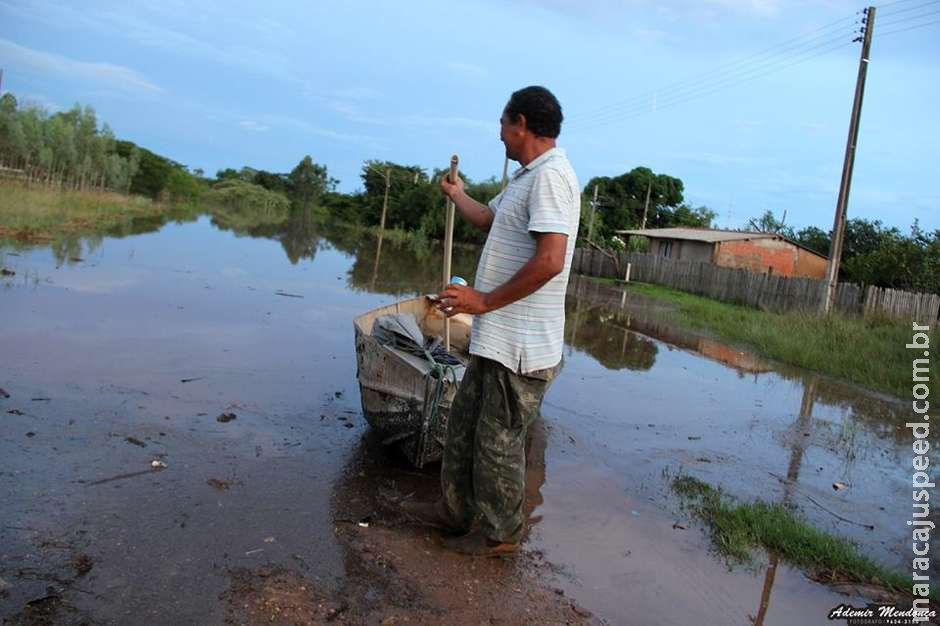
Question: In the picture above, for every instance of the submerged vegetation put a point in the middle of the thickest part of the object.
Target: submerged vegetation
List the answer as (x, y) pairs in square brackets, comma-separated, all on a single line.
[(41, 215), (738, 528)]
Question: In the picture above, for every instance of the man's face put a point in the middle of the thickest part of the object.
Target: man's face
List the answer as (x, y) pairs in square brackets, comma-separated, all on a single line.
[(511, 134)]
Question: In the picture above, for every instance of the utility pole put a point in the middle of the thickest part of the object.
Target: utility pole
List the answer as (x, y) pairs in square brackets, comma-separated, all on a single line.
[(593, 209), (646, 207), (388, 183), (838, 226)]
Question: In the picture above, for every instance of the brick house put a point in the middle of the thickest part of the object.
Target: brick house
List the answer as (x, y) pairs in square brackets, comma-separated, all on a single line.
[(757, 252)]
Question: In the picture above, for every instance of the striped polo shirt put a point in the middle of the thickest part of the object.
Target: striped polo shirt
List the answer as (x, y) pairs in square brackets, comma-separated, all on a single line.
[(542, 197)]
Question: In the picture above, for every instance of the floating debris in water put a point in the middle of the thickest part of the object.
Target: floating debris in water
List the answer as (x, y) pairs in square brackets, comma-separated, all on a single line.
[(157, 464), (226, 417)]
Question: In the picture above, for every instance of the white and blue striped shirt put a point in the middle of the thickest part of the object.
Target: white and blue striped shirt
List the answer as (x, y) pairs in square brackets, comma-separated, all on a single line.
[(542, 197)]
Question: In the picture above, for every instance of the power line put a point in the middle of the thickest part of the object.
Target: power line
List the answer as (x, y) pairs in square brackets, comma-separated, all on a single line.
[(696, 84), (752, 73), (901, 30), (909, 19), (913, 8), (882, 6), (720, 87), (788, 45)]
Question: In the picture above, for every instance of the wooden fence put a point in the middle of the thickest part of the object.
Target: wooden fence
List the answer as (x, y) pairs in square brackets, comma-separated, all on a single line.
[(762, 291)]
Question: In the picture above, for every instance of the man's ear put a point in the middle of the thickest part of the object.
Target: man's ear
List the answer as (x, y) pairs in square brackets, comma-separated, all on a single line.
[(522, 123)]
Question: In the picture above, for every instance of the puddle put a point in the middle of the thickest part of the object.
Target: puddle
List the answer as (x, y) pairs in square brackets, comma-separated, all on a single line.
[(138, 341)]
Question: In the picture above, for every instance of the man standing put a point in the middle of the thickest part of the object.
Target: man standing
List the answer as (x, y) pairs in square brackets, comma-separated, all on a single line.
[(516, 345)]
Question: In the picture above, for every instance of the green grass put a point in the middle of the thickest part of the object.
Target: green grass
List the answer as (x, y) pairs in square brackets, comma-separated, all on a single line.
[(870, 352), (40, 214), (737, 528)]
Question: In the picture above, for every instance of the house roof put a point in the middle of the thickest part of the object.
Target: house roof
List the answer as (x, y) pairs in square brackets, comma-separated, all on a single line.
[(710, 235), (699, 234)]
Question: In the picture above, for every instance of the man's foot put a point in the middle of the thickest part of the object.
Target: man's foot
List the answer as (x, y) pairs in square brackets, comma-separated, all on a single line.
[(478, 544), (433, 514)]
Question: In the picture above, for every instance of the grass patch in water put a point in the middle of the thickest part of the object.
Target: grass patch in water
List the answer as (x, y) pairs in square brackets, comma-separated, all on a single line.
[(866, 351), (737, 528), (41, 214)]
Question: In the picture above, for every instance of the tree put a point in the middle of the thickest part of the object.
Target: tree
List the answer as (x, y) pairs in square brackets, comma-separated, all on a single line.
[(622, 200), (768, 223), (815, 239), (308, 181)]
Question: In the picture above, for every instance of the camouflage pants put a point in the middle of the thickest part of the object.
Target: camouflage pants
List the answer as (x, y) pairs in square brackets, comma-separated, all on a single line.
[(483, 470)]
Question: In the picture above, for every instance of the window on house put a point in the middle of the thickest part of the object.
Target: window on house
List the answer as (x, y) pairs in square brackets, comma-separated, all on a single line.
[(665, 248)]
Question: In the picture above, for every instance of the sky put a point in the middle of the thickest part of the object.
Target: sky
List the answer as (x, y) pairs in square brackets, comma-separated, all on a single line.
[(746, 101)]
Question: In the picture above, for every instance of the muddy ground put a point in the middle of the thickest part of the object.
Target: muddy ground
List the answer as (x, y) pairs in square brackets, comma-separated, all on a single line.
[(182, 444)]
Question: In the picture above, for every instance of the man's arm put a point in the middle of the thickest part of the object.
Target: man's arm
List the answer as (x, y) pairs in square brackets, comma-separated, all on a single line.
[(474, 212), (547, 262)]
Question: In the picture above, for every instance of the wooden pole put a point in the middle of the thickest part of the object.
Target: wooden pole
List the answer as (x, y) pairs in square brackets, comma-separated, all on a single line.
[(838, 228), (505, 173), (388, 183), (449, 243), (593, 213), (646, 207)]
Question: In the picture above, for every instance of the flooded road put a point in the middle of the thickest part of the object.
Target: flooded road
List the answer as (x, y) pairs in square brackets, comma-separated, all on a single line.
[(126, 352)]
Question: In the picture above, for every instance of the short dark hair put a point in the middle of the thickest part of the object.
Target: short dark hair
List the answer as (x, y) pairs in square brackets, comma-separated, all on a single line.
[(541, 110)]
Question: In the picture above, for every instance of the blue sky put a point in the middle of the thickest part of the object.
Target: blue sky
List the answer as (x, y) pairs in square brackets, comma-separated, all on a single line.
[(685, 87)]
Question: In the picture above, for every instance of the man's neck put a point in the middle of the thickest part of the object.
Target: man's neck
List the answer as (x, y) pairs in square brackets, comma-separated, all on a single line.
[(534, 149)]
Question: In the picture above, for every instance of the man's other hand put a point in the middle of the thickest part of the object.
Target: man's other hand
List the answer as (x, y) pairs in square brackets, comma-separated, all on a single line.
[(459, 299)]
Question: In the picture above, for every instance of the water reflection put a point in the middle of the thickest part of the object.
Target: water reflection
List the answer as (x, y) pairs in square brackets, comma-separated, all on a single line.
[(614, 327), (797, 452)]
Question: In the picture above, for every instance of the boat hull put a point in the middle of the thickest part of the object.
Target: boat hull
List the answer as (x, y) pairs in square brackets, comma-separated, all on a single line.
[(397, 389)]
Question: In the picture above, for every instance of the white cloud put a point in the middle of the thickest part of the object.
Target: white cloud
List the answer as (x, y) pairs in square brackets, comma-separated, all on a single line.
[(21, 57), (146, 32)]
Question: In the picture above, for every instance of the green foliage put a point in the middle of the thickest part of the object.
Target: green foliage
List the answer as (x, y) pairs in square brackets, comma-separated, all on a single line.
[(237, 195), (622, 199), (67, 149), (272, 181), (342, 207), (182, 186), (308, 181), (813, 238)]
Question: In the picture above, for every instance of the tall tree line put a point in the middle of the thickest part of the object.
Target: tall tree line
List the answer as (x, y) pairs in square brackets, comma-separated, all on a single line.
[(66, 149)]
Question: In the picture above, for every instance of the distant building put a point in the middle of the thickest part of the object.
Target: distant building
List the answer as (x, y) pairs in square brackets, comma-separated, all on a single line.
[(757, 252)]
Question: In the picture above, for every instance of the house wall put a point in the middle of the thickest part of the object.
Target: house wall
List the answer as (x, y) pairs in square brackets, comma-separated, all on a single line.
[(683, 249), (696, 251), (809, 264), (761, 255)]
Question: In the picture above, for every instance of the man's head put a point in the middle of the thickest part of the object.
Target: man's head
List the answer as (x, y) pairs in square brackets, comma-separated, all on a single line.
[(531, 117)]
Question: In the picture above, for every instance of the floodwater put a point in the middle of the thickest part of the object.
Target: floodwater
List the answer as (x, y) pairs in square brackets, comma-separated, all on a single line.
[(125, 350)]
